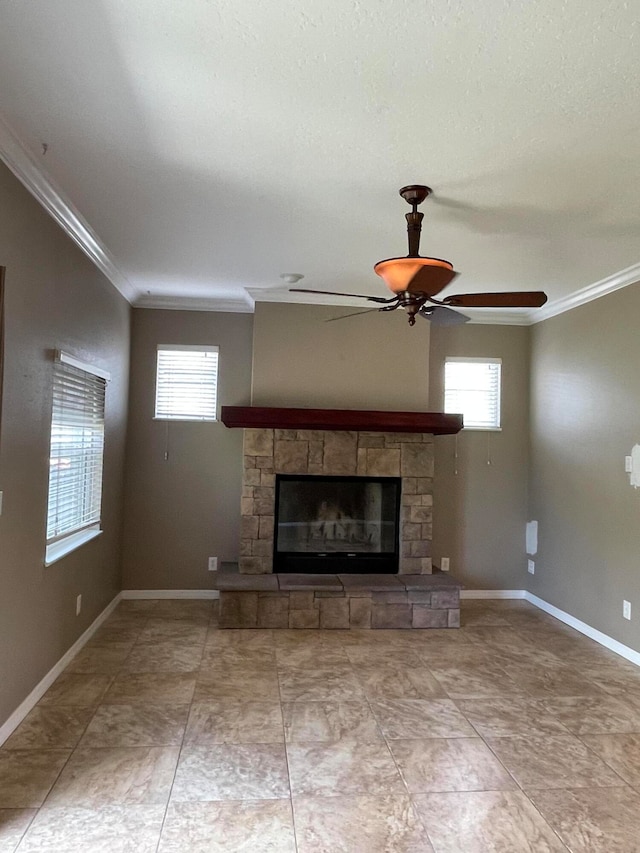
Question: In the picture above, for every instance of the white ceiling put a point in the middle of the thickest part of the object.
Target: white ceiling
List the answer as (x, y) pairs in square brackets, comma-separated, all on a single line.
[(202, 148)]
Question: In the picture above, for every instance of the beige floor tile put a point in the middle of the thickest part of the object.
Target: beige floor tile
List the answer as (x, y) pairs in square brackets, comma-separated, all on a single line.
[(402, 719), (182, 631), (26, 776), (399, 683), (13, 825), (151, 688), (614, 678), (193, 610), (621, 752), (104, 660), (231, 772), (77, 689), (115, 776), (541, 681), (230, 657), (345, 767), (234, 722), (359, 824), (136, 725), (301, 658), (140, 607), (50, 727), (592, 821), (595, 714), (254, 826), (479, 682), (552, 761), (241, 638), (485, 822), (115, 634), (365, 658), (456, 764), (505, 717), (241, 684), (329, 722), (164, 656), (110, 829), (319, 684)]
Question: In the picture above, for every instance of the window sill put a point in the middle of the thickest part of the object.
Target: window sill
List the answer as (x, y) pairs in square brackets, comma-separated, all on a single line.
[(481, 429), (57, 550)]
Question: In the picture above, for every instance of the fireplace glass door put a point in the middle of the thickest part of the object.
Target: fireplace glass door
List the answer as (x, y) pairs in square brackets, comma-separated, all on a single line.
[(336, 524)]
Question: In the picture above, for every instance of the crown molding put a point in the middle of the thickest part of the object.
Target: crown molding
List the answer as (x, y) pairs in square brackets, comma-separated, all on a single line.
[(613, 282), (21, 162), (242, 305)]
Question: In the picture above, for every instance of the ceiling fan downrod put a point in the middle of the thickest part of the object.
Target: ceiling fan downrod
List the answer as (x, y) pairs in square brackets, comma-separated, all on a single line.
[(414, 195)]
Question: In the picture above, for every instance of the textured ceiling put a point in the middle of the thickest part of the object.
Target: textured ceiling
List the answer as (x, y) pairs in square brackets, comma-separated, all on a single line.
[(211, 146)]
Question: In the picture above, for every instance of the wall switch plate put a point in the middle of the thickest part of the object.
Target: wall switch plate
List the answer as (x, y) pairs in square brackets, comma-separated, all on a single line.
[(626, 609), (628, 464), (531, 567), (444, 564), (1, 497), (213, 564), (78, 605)]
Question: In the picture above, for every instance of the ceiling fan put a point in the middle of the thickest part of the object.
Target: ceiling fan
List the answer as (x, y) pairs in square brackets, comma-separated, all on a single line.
[(415, 280)]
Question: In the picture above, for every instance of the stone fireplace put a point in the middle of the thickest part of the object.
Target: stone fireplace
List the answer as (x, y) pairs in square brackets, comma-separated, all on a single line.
[(350, 453), (326, 444)]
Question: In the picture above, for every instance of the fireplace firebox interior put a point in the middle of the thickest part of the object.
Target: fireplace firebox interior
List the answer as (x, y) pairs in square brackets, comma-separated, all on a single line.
[(336, 524)]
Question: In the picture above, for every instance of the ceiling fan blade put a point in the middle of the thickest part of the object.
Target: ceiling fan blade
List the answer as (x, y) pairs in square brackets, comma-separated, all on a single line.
[(334, 293), (441, 316), (353, 314), (510, 299), (431, 280)]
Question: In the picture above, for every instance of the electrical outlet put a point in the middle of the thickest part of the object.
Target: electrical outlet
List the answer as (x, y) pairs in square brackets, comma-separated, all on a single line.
[(531, 567), (444, 564), (78, 605), (213, 564), (626, 609), (628, 464)]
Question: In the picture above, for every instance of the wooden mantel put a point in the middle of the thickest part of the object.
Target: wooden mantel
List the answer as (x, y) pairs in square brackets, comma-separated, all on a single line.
[(261, 417)]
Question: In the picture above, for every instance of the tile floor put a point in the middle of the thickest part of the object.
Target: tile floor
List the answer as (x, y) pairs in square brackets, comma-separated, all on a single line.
[(166, 734)]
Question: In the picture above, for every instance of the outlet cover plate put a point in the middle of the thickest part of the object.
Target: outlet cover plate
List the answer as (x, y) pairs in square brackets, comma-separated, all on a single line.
[(444, 564), (531, 567), (626, 609), (213, 564)]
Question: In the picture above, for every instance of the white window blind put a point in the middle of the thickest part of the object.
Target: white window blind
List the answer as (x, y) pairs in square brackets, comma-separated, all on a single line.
[(472, 388), (186, 383), (76, 451)]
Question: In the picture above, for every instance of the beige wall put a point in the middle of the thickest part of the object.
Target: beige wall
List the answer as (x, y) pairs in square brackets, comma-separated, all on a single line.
[(55, 299), (480, 512), (374, 361), (181, 511), (585, 420)]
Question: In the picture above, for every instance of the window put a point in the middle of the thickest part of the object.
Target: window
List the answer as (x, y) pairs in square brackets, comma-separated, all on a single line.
[(75, 456), (472, 388), (186, 383)]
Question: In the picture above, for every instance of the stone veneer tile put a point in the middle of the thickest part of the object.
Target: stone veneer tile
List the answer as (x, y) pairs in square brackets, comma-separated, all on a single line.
[(302, 619), (360, 612), (416, 460), (258, 442), (340, 453), (391, 616), (334, 613), (383, 463), (291, 457)]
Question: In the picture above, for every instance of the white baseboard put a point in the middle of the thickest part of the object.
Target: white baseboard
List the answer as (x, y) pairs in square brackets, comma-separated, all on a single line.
[(492, 593), (41, 688), (169, 593), (604, 639)]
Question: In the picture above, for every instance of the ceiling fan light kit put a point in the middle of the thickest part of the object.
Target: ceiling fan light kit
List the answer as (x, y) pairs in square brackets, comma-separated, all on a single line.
[(415, 280)]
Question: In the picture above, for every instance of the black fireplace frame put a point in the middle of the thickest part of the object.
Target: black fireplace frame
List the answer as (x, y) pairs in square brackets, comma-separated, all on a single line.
[(337, 562)]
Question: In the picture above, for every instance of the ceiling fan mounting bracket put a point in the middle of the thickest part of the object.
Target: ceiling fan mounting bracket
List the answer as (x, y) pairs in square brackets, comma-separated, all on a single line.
[(415, 194)]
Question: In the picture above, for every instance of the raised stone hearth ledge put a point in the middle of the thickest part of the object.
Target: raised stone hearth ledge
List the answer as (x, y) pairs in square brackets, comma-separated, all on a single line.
[(262, 417), (339, 602)]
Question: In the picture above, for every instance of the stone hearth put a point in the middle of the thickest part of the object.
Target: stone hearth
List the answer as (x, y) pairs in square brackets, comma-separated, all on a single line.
[(268, 452), (340, 602)]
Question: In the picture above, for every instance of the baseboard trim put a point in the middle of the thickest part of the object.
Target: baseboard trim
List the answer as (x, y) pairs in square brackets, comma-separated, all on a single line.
[(603, 639), (9, 726), (492, 593), (139, 594)]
